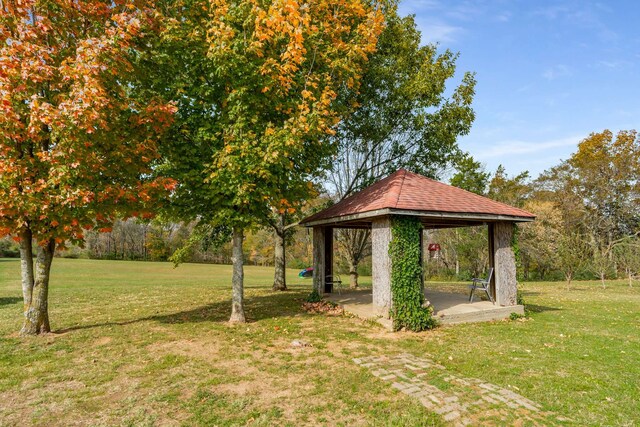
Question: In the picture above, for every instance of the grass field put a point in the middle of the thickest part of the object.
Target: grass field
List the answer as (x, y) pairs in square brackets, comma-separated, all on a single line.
[(146, 344)]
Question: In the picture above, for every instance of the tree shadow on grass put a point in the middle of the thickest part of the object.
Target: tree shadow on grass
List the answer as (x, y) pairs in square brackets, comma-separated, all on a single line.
[(540, 308), (9, 300), (529, 293), (256, 308)]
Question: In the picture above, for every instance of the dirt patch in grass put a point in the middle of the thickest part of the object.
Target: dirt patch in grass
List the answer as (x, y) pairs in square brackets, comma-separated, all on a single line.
[(246, 380), (102, 341), (190, 348)]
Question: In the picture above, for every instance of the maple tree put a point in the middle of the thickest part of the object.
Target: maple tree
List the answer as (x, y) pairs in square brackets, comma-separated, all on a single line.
[(251, 134), (403, 118), (76, 142)]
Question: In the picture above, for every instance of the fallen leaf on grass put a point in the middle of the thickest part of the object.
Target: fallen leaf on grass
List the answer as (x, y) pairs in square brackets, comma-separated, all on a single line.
[(322, 307)]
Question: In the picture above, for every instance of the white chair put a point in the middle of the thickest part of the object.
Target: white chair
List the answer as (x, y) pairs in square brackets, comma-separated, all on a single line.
[(482, 285), (334, 282)]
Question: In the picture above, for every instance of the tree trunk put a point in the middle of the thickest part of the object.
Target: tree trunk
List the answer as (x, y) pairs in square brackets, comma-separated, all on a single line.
[(356, 246), (237, 297), (353, 273), (26, 266), (36, 313), (602, 279), (280, 279)]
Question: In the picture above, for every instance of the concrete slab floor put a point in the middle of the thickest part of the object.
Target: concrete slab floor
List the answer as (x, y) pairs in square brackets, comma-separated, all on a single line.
[(449, 307)]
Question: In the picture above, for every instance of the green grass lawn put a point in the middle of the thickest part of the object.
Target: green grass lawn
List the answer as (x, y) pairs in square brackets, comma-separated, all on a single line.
[(146, 344)]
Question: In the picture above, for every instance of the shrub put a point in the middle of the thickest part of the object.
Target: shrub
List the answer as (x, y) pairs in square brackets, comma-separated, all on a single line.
[(314, 296), (516, 316), (9, 249)]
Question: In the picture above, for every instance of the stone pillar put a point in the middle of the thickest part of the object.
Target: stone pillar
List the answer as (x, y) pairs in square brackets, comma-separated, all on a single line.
[(381, 264), (505, 264), (318, 259)]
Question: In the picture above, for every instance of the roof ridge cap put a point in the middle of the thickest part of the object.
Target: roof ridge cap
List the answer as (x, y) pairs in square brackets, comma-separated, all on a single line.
[(404, 177)]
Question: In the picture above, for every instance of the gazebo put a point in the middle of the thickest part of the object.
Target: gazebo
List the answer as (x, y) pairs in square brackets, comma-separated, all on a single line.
[(435, 205)]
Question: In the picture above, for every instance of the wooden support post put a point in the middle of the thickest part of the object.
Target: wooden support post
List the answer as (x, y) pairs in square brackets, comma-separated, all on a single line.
[(422, 260), (505, 264), (328, 258), (492, 258), (319, 251)]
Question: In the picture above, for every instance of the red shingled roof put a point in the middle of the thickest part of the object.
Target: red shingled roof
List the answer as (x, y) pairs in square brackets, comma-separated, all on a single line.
[(405, 190)]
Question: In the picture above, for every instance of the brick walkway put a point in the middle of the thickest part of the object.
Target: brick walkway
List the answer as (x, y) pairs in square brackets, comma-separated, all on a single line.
[(461, 401)]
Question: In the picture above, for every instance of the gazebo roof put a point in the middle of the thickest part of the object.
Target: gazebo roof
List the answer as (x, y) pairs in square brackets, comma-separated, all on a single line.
[(407, 193)]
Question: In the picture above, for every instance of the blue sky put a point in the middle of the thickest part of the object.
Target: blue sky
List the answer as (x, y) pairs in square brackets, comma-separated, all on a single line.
[(549, 72)]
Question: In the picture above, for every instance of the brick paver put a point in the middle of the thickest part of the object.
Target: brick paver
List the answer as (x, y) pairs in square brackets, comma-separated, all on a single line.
[(463, 401)]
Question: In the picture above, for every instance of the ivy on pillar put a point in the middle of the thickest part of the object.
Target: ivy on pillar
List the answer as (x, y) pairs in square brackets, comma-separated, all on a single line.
[(408, 310)]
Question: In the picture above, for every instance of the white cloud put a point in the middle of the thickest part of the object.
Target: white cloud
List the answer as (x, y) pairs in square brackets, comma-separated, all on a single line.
[(503, 16), (627, 113), (518, 147), (416, 6), (464, 11), (432, 18), (556, 71), (584, 15), (613, 64), (551, 12), (439, 32)]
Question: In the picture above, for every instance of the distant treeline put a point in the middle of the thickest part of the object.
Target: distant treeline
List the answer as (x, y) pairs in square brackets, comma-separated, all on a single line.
[(587, 225)]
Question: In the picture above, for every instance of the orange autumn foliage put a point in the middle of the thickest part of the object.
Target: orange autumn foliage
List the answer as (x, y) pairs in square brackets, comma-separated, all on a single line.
[(283, 63), (76, 144)]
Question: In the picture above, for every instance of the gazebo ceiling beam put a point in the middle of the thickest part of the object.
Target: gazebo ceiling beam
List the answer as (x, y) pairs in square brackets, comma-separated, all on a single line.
[(432, 218), (428, 225)]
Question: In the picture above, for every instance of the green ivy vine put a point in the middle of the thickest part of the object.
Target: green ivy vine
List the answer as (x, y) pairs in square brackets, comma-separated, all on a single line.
[(406, 277)]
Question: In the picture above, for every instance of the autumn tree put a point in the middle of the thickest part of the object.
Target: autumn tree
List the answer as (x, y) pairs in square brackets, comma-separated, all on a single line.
[(256, 84), (402, 119), (75, 144), (573, 253), (606, 172), (607, 178), (627, 256), (538, 240), (598, 192)]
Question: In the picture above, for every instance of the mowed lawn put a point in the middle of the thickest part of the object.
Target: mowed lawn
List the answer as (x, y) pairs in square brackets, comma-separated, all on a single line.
[(146, 344)]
